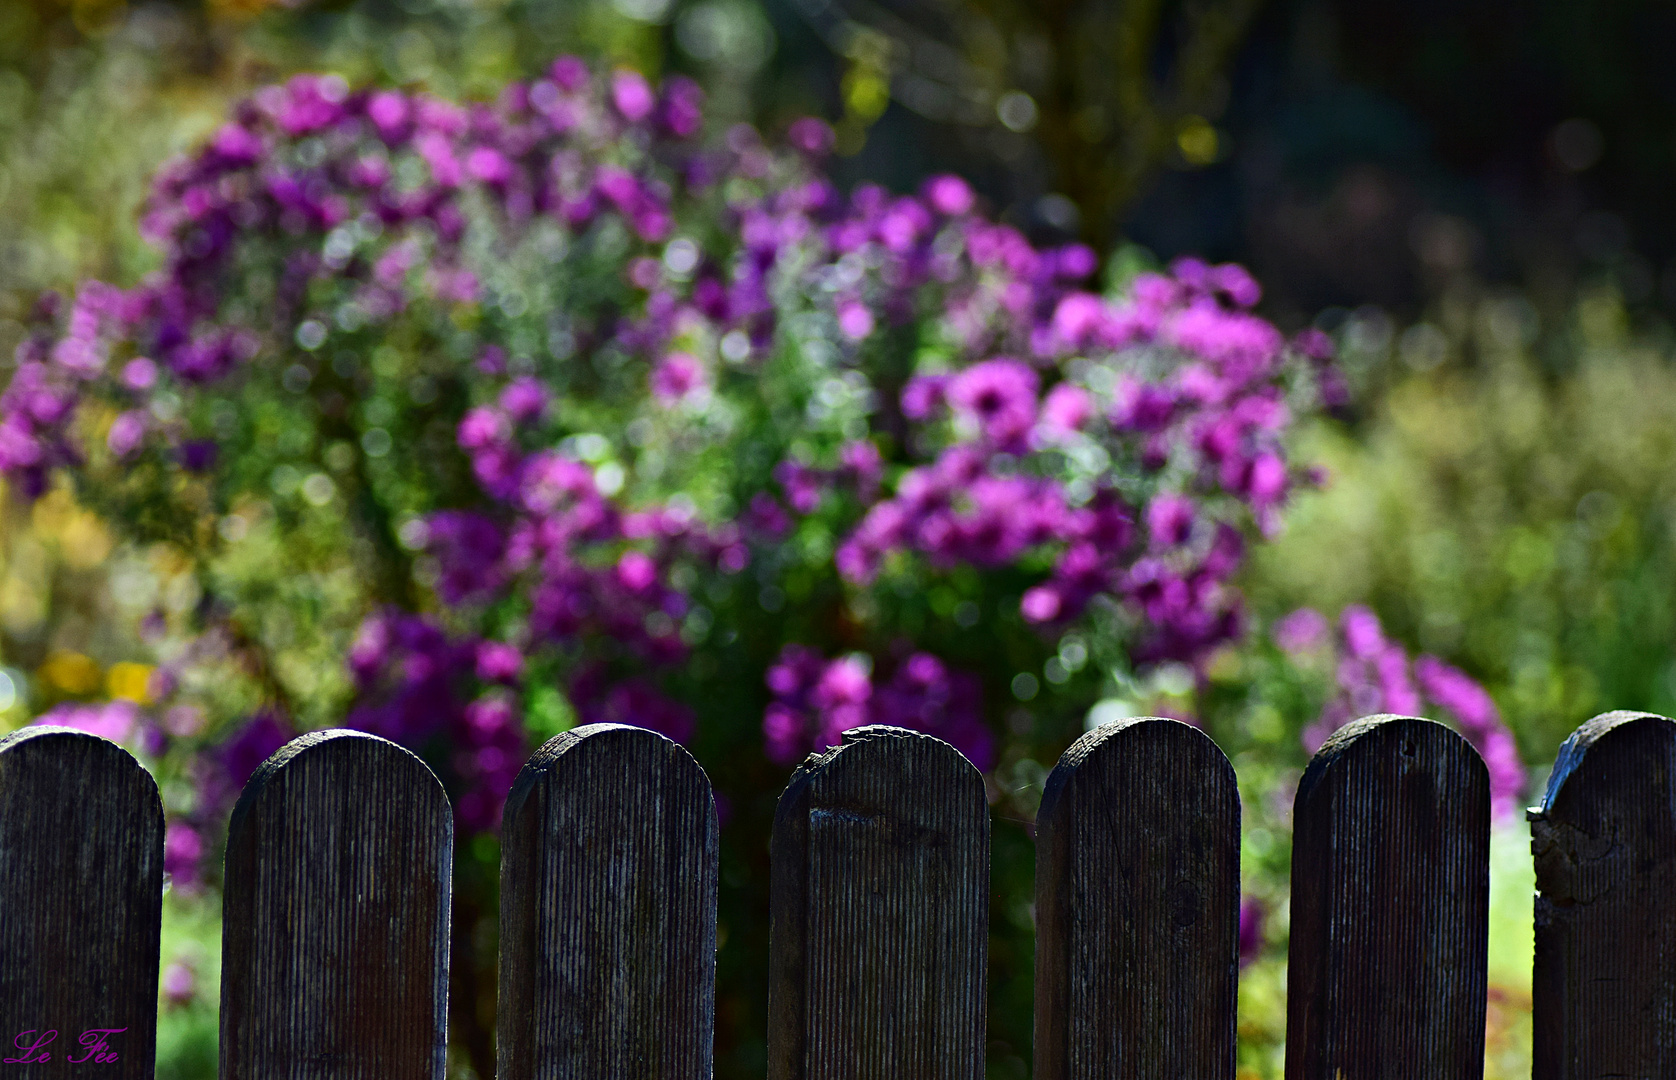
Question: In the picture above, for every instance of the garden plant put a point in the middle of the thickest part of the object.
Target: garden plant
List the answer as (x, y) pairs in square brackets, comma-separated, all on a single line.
[(464, 423)]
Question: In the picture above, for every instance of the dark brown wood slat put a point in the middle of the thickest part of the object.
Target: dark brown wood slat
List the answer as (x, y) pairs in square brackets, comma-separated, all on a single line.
[(1390, 906), (608, 912), (1604, 842), (335, 921), (81, 902), (1137, 907), (879, 913)]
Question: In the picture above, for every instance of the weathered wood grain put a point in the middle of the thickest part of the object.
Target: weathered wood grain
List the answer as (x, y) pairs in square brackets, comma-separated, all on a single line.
[(1137, 907), (81, 896), (608, 912), (335, 925), (1604, 842), (1390, 906), (879, 914)]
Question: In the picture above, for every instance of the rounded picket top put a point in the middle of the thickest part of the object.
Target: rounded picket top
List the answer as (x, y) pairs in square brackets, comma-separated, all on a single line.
[(81, 901), (879, 912), (1390, 905), (1604, 845), (336, 914), (1137, 906), (608, 911)]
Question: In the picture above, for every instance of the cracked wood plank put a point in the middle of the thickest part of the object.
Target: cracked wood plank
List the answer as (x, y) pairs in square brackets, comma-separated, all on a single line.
[(1604, 842), (879, 909), (81, 901), (335, 919), (608, 912), (1137, 907), (1390, 906)]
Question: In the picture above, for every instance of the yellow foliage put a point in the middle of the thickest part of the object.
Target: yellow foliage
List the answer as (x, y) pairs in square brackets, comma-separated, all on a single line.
[(130, 681), (82, 538), (71, 672)]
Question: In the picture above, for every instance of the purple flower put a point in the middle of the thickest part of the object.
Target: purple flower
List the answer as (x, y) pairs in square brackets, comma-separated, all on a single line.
[(198, 455), (183, 854), (1303, 631), (1000, 397), (498, 662), (127, 432), (1363, 636), (524, 400), (863, 464), (482, 427), (1076, 262), (1041, 603), (1237, 284), (678, 377), (803, 486), (489, 165), (570, 73), (785, 734), (766, 518), (139, 374), (180, 986), (949, 195), (681, 109), (1253, 914), (469, 548), (636, 571), (632, 95), (388, 110), (854, 320), (923, 394), (1065, 409), (114, 720), (813, 137), (1169, 520)]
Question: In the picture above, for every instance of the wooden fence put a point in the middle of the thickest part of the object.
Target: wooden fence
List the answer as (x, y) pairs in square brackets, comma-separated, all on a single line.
[(335, 947)]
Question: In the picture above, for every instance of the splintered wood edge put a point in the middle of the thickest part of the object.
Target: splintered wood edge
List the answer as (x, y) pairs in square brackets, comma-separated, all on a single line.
[(548, 755), (1574, 752)]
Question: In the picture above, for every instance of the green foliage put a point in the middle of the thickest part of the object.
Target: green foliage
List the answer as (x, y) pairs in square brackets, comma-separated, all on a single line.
[(1511, 510)]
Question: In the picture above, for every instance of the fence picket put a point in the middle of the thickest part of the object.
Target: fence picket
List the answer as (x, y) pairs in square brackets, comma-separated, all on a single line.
[(335, 915), (81, 895), (879, 913), (1604, 842), (608, 912), (1390, 906), (1137, 907)]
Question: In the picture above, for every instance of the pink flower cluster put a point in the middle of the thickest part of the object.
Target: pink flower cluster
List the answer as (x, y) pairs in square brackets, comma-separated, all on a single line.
[(1178, 390), (1374, 675), (816, 700)]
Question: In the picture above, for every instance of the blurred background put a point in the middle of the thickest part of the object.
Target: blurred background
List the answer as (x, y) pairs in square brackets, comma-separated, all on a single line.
[(1473, 200)]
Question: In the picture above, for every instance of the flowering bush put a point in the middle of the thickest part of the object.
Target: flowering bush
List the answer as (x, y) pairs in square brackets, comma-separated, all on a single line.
[(549, 410), (667, 371)]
